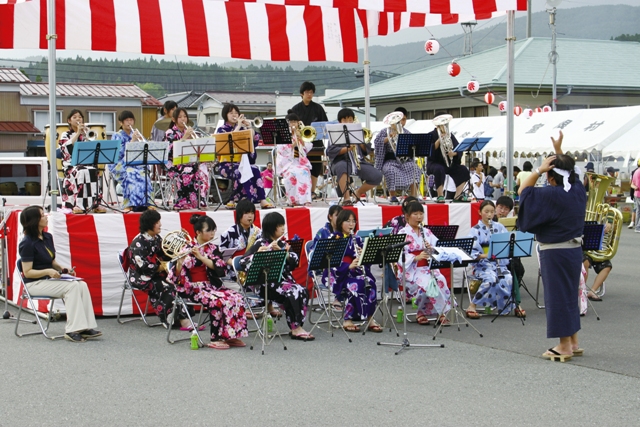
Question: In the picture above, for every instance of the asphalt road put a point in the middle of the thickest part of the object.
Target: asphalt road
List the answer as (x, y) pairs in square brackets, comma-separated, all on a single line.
[(132, 376)]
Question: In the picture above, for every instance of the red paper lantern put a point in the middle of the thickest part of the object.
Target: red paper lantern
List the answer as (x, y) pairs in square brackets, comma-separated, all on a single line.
[(453, 69), (502, 106), (528, 112), (517, 110), (489, 98), (538, 110), (546, 109), (473, 86), (432, 47)]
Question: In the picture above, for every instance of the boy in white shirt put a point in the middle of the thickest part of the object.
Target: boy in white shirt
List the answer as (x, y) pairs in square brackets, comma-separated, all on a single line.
[(477, 179)]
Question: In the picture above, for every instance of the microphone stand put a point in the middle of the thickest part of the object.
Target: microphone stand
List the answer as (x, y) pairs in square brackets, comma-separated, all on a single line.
[(405, 344)]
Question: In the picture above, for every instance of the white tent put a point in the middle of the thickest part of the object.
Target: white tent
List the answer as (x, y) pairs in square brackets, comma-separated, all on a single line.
[(627, 146)]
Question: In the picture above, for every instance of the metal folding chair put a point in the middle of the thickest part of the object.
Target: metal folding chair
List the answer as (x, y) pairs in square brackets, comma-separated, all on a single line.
[(251, 300), (31, 299), (123, 262)]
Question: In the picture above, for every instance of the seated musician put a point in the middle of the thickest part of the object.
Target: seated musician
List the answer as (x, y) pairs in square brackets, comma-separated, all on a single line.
[(41, 272), (190, 178), (247, 184), (400, 221), (197, 276), (437, 166), (293, 165), (353, 285), (167, 116), (80, 186), (148, 269), (243, 234), (330, 227), (136, 188), (397, 174), (495, 290), (309, 112), (417, 274), (287, 292), (339, 156)]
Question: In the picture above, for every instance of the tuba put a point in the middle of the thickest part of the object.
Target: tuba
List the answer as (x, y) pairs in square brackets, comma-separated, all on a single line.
[(392, 121), (603, 213), (446, 145)]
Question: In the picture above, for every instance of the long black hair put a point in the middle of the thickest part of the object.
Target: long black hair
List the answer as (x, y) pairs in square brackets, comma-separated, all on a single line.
[(244, 206), (30, 220), (343, 217), (270, 224)]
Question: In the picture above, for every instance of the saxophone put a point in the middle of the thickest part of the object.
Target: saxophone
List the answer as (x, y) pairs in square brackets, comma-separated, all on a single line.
[(242, 275)]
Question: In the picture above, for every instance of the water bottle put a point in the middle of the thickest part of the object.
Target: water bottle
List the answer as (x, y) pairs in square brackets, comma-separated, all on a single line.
[(269, 324), (487, 310), (195, 345), (399, 315), (414, 303)]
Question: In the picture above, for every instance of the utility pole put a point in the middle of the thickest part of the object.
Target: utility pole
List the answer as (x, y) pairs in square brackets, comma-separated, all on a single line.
[(467, 27)]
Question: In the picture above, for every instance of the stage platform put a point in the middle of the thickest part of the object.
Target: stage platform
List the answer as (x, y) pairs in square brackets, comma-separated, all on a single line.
[(91, 242)]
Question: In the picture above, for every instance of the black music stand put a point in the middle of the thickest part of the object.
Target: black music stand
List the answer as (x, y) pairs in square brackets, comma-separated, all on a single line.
[(516, 244), (592, 239), (276, 132), (443, 232), (382, 250), (295, 246), (465, 245), (414, 145), (328, 254), (266, 267), (94, 153), (347, 134), (466, 146), (146, 153)]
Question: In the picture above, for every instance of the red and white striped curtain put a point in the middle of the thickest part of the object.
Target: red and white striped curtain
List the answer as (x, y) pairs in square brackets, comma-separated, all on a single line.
[(273, 30)]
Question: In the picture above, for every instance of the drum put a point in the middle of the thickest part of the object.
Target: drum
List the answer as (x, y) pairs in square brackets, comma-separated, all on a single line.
[(8, 188), (32, 188), (99, 130), (60, 129)]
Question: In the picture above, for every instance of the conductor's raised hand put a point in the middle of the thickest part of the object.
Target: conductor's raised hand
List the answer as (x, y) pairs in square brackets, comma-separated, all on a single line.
[(557, 143)]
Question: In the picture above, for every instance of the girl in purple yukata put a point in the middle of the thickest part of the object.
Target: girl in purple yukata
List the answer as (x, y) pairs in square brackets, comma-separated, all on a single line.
[(417, 273), (353, 285), (229, 167)]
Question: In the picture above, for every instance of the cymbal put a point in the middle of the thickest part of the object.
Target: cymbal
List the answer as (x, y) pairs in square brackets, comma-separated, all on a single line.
[(164, 123)]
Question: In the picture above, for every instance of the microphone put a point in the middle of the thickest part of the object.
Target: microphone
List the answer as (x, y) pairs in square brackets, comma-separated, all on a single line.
[(397, 245)]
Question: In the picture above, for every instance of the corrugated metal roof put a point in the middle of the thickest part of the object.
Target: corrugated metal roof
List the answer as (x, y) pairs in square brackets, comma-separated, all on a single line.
[(617, 66), (183, 99), (90, 90), (244, 98), (18, 127), (12, 75)]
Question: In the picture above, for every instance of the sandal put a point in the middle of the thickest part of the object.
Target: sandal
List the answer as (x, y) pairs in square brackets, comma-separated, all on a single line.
[(305, 336), (592, 297), (76, 210), (218, 345), (235, 342), (555, 356), (520, 313), (267, 205), (190, 328), (442, 320), (99, 209), (276, 314), (423, 320), (374, 327), (352, 328), (347, 203), (127, 210), (230, 205), (440, 199), (472, 314)]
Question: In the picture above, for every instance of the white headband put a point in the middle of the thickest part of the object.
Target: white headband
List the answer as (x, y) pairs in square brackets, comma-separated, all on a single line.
[(565, 175)]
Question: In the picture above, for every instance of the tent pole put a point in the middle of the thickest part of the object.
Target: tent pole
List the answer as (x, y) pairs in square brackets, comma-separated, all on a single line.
[(367, 102), (53, 120), (510, 98)]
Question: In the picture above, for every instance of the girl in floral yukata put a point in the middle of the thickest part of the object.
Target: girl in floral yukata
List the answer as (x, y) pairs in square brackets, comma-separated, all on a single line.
[(353, 285), (189, 179), (136, 188), (495, 290), (80, 185), (417, 273), (252, 187), (287, 292), (294, 166), (197, 276)]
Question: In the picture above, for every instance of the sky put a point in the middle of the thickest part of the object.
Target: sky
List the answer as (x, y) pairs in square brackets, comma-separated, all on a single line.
[(405, 36)]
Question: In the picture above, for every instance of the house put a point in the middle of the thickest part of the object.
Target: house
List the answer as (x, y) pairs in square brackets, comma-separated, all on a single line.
[(26, 102), (591, 74)]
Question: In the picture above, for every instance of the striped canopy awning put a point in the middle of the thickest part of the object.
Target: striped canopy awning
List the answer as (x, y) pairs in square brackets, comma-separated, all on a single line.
[(273, 30)]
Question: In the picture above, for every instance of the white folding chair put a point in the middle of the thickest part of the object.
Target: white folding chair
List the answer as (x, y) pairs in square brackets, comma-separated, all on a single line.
[(31, 299)]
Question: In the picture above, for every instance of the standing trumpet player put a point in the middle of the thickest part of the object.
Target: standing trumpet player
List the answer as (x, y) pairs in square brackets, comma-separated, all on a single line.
[(80, 185), (294, 166), (397, 174), (190, 178), (339, 155), (439, 166)]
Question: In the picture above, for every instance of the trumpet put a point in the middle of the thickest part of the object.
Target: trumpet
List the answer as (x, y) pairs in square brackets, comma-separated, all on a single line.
[(136, 132), (89, 134), (257, 122)]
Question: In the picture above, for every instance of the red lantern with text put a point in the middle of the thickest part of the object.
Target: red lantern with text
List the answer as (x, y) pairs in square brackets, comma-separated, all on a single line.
[(453, 69), (546, 109), (489, 98), (432, 47), (473, 86), (502, 106), (528, 113), (517, 110)]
